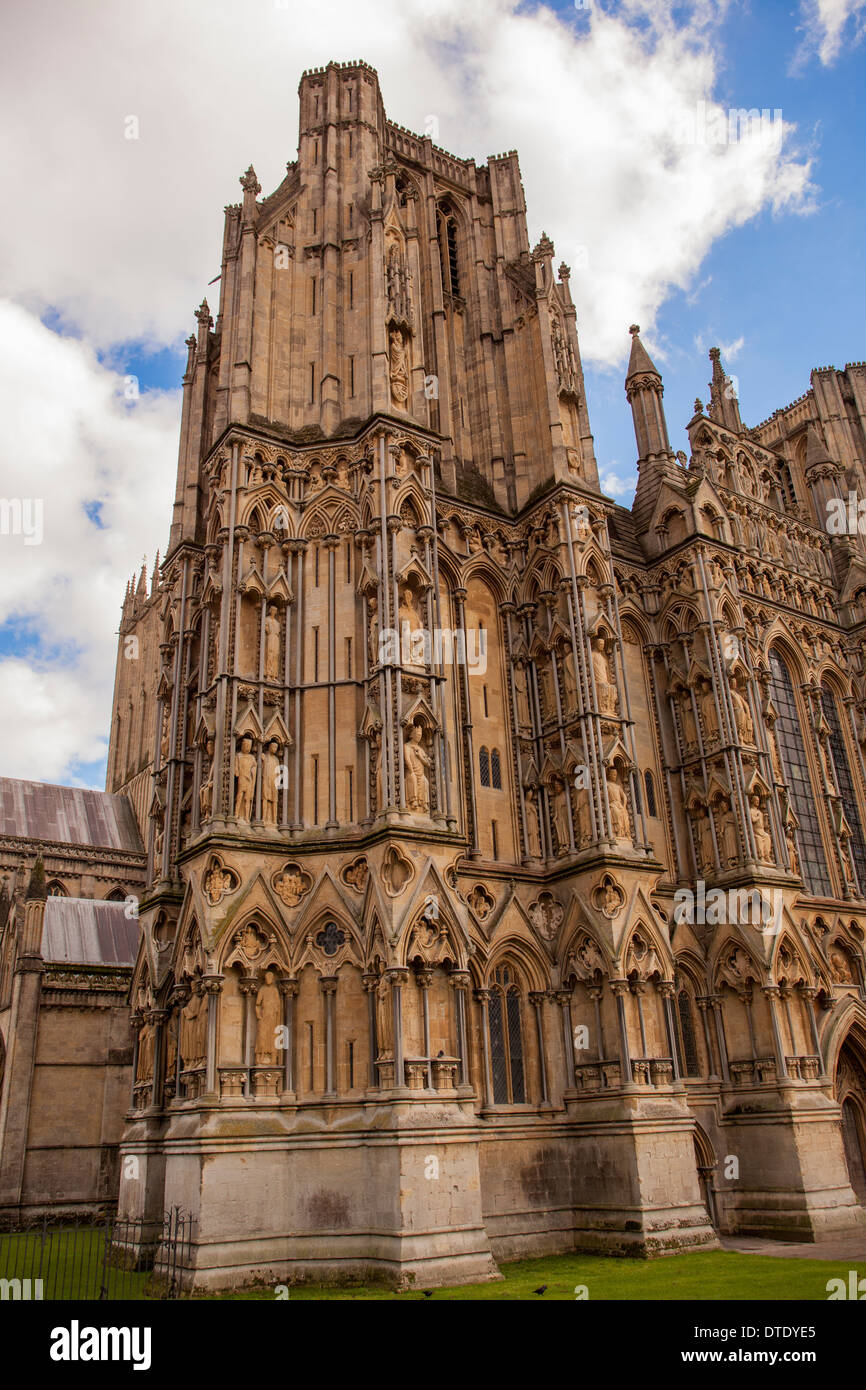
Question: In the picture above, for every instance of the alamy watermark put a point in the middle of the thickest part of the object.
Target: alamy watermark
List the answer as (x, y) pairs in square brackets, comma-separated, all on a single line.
[(761, 908)]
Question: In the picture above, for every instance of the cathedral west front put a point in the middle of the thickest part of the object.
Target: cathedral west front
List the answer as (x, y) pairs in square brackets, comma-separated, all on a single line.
[(505, 861)]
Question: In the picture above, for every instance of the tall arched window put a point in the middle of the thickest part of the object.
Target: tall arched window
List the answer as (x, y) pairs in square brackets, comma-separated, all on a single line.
[(495, 769), (790, 736), (448, 249), (484, 762), (845, 781), (506, 1040), (649, 786)]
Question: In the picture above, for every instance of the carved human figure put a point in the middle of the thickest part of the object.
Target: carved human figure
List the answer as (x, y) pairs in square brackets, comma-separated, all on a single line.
[(569, 685), (601, 667), (397, 362), (584, 817), (269, 1017), (561, 814), (760, 829), (373, 628), (245, 779), (145, 1053), (272, 643), (793, 852), (190, 1030), (205, 795), (742, 715), (730, 842), (704, 839), (217, 882), (411, 627), (384, 1018), (690, 728), (840, 966), (708, 712), (523, 716), (533, 837), (619, 814), (416, 762), (270, 782)]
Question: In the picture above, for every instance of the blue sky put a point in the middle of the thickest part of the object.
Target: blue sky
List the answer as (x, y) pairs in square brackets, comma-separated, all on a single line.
[(758, 251)]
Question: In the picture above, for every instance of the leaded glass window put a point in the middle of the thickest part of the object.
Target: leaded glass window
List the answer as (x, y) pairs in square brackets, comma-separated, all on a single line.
[(845, 781), (506, 1040), (796, 767)]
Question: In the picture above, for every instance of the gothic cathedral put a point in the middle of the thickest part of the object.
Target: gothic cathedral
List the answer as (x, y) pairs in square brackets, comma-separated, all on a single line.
[(506, 885)]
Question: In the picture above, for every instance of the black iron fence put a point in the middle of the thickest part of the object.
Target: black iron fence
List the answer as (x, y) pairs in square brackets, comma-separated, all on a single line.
[(106, 1258)]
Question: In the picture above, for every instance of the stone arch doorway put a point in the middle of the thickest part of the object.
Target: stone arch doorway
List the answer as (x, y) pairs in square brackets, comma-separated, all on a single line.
[(705, 1160), (851, 1095)]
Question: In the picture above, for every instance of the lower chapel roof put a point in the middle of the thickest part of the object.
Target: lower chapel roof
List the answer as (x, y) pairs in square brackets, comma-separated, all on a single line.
[(67, 815), (84, 931)]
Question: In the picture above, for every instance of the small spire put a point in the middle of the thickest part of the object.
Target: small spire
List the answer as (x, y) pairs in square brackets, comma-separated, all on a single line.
[(724, 407), (36, 888), (639, 363), (816, 449)]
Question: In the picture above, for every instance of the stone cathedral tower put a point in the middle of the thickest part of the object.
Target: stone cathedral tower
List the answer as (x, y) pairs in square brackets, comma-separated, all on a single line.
[(425, 734)]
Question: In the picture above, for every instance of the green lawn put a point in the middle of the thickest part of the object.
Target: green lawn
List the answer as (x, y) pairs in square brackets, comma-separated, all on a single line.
[(716, 1275), (72, 1265)]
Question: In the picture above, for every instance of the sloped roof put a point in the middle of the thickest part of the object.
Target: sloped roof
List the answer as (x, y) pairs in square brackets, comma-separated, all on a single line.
[(69, 815), (85, 931)]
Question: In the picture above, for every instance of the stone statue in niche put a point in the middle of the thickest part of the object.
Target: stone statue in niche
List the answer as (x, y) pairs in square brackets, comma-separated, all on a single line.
[(269, 1017), (271, 768), (569, 685), (793, 853), (398, 368), (840, 966), (742, 716), (384, 1019), (760, 828), (245, 778), (145, 1053), (703, 840), (605, 690), (416, 761), (690, 728), (192, 1029), (533, 837), (708, 712), (729, 839), (523, 716), (205, 795), (217, 882), (272, 643), (584, 818), (619, 814), (373, 628), (558, 794), (411, 627)]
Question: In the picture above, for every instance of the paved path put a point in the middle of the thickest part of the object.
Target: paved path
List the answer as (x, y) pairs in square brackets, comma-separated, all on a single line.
[(841, 1247)]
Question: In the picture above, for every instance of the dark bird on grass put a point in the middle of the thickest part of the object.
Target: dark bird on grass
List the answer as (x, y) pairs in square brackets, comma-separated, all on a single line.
[(428, 1293), (543, 1289)]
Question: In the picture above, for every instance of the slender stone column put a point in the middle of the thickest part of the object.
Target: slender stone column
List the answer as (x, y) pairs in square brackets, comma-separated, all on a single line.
[(288, 989), (459, 982), (704, 1006), (595, 992), (249, 987), (397, 975), (135, 1023), (620, 989), (563, 999), (371, 983), (666, 990), (158, 1017), (772, 994), (809, 994), (424, 979), (536, 999), (213, 988), (483, 997), (715, 1001), (329, 989)]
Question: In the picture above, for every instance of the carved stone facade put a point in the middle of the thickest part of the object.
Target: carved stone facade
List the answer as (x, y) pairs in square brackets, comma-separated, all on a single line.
[(443, 740)]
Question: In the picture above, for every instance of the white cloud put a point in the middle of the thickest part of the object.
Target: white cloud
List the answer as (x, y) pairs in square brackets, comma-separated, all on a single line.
[(69, 441), (122, 235), (614, 484), (827, 25)]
